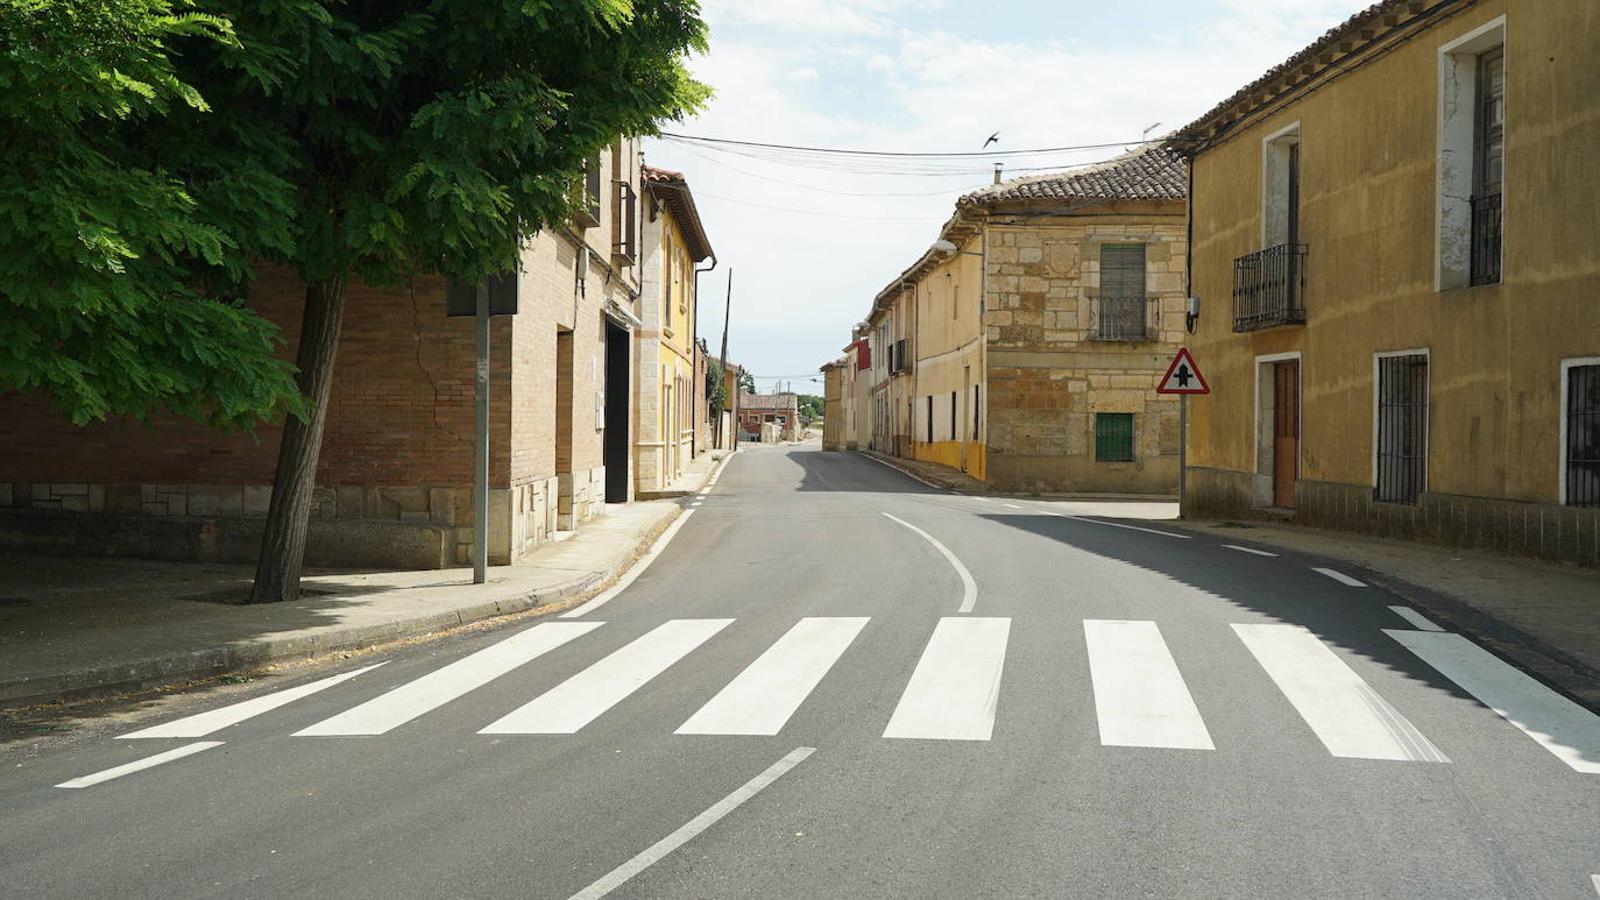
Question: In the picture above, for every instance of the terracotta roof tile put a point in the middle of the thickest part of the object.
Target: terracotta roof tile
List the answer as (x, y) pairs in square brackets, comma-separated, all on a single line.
[(1154, 173)]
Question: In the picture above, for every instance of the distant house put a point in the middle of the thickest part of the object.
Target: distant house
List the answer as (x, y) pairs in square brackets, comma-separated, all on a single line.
[(779, 412), (1024, 346)]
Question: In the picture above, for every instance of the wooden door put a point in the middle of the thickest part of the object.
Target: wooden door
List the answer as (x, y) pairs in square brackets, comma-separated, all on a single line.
[(1285, 432)]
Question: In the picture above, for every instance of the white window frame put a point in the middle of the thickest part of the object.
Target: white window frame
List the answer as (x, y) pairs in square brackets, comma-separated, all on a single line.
[(1427, 441), (1274, 161), (1457, 112), (1567, 365)]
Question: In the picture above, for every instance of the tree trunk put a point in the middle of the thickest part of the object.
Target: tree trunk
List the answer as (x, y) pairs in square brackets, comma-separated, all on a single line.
[(283, 544)]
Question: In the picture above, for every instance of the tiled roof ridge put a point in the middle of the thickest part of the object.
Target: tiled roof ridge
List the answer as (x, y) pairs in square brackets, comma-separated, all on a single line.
[(1152, 172)]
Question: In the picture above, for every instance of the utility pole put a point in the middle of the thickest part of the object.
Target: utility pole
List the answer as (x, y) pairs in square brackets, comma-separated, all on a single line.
[(733, 395), (480, 440)]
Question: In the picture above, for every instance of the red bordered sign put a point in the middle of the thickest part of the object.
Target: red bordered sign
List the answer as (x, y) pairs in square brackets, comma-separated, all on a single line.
[(1183, 376)]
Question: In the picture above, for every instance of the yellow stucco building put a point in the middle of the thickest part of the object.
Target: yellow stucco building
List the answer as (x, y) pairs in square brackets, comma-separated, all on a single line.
[(1396, 247), (671, 403), (1035, 328)]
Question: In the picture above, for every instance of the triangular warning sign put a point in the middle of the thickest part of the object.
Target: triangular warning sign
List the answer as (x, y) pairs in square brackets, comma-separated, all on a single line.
[(1183, 376)]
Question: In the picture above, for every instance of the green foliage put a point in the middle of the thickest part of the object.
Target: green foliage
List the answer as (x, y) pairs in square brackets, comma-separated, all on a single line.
[(811, 406), (747, 383), (383, 140), (118, 292), (716, 388)]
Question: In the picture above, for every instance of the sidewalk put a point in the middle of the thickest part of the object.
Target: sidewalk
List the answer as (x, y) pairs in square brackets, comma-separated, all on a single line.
[(73, 627)]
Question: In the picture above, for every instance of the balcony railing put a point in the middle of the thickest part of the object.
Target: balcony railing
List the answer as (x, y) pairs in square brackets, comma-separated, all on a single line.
[(1486, 239), (1269, 288), (1122, 318)]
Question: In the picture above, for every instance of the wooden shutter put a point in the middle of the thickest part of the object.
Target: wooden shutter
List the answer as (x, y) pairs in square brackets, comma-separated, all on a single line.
[(1122, 270)]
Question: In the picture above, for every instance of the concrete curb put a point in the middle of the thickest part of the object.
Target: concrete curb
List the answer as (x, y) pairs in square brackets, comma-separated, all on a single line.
[(209, 662)]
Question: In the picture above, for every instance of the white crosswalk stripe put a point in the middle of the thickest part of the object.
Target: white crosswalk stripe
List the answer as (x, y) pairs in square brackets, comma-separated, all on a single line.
[(761, 699), (1557, 724), (440, 686), (1347, 715), (582, 698), (217, 719), (954, 691), (1139, 695)]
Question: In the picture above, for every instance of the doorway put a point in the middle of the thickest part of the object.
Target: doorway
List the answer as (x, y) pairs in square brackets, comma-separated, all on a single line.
[(614, 449), (1285, 431)]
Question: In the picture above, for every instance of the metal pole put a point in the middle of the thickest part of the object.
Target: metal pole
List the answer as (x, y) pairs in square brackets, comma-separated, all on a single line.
[(1183, 455), (480, 446)]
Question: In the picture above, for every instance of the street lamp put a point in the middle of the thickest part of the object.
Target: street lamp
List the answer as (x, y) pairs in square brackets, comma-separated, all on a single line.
[(949, 248)]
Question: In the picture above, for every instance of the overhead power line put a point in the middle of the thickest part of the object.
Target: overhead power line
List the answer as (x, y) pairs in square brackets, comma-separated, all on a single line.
[(903, 153)]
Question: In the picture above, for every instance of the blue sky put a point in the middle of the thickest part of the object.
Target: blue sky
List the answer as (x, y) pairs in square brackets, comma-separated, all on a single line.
[(810, 246)]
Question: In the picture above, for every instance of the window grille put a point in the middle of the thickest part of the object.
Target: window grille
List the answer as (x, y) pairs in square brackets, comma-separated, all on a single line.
[(1583, 436), (1488, 168), (1113, 437), (1402, 428)]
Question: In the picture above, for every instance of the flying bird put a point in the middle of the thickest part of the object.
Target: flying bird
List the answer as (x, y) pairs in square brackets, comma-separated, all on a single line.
[(993, 139)]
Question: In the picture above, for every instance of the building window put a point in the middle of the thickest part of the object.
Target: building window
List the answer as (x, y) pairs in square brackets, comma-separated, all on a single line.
[(1581, 478), (1119, 309), (930, 418), (1471, 154), (1280, 170), (977, 417), (1402, 428), (1113, 437), (952, 415), (1488, 167)]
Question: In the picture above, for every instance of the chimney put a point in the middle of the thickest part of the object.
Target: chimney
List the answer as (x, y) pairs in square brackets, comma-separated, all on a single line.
[(997, 169)]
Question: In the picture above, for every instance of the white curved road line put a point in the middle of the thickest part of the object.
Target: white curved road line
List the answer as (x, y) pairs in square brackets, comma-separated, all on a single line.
[(632, 574), (969, 588)]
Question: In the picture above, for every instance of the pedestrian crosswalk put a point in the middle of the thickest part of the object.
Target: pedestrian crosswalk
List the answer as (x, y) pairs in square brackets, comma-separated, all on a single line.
[(954, 691)]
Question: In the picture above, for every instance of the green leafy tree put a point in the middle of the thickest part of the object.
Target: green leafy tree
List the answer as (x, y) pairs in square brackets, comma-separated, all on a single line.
[(747, 383), (421, 136), (716, 389), (346, 139), (121, 287)]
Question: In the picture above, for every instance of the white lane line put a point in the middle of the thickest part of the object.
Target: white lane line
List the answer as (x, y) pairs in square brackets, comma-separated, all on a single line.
[(435, 689), (1248, 550), (217, 719), (1346, 714), (1139, 695), (1555, 723), (1340, 577), (955, 688), (1011, 506), (628, 577), (1417, 619), (969, 588), (140, 764), (1170, 534), (762, 698), (1596, 880), (655, 852), (582, 698), (985, 499)]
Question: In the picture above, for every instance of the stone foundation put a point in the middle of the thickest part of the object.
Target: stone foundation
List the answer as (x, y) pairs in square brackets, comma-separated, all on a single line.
[(1567, 533)]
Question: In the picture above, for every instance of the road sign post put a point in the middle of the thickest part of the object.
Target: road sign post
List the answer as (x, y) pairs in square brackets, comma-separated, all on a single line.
[(1183, 378)]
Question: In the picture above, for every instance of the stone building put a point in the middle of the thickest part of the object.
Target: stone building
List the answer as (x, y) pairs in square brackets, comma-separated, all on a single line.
[(1030, 336), (671, 382), (394, 482), (769, 417), (1394, 240), (832, 405)]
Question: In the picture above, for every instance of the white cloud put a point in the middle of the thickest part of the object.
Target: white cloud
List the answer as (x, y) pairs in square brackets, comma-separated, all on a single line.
[(827, 73)]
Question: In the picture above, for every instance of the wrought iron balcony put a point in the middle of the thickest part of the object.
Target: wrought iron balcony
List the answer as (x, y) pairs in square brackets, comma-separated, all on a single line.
[(1269, 288), (1122, 318), (1486, 239)]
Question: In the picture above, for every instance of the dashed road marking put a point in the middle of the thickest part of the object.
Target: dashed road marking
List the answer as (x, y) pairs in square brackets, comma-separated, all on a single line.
[(1415, 618), (1248, 550), (1340, 577)]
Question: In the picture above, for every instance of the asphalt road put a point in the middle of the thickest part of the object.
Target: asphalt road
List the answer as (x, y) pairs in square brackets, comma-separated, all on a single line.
[(1121, 713)]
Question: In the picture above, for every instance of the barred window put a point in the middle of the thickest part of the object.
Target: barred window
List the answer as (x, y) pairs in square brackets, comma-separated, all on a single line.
[(1402, 428), (1113, 437), (1583, 436)]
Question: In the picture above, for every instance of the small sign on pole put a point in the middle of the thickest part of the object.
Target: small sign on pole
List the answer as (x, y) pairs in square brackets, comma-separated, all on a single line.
[(1183, 376)]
